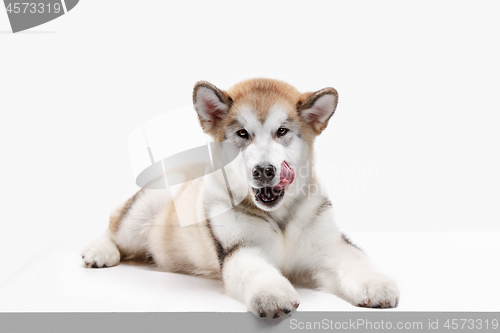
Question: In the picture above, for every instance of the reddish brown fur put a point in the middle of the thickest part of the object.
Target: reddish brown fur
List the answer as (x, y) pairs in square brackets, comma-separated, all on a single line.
[(261, 95)]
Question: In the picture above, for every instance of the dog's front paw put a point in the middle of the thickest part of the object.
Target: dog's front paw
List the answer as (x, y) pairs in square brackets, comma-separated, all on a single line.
[(378, 292), (374, 290), (274, 300), (101, 253)]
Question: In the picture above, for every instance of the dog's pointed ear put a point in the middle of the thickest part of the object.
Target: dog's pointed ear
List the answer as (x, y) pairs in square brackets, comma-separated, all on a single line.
[(211, 103), (317, 108)]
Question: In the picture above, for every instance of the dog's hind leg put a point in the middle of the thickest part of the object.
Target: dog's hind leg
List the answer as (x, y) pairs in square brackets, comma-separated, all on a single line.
[(127, 234)]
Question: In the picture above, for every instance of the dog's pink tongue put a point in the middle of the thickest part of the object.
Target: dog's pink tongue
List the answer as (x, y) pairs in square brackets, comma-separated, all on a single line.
[(286, 176)]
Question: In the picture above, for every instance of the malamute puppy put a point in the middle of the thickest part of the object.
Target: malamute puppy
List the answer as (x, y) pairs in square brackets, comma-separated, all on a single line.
[(281, 233)]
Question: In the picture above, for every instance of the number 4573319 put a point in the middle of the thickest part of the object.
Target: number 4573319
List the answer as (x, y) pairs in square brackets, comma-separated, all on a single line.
[(33, 8)]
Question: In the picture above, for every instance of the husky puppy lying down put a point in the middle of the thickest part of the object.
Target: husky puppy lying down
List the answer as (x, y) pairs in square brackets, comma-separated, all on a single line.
[(278, 234)]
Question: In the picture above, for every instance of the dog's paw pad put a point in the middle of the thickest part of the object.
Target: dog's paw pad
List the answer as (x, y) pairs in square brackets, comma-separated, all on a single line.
[(276, 314)]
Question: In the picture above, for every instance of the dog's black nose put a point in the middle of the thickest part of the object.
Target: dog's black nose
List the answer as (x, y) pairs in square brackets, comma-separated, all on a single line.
[(264, 173)]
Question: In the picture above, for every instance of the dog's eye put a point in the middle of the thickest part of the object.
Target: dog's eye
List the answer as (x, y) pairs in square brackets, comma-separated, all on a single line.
[(282, 131), (242, 133)]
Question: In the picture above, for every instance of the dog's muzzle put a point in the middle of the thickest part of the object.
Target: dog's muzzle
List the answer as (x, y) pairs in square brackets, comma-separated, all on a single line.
[(270, 194)]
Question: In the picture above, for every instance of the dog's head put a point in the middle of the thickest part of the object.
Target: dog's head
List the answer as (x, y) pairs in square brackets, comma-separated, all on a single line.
[(272, 123)]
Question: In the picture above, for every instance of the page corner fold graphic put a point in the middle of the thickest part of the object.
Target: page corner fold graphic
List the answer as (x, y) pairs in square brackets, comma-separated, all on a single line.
[(26, 15)]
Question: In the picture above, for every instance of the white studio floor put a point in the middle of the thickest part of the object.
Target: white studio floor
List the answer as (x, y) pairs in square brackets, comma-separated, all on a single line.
[(435, 272)]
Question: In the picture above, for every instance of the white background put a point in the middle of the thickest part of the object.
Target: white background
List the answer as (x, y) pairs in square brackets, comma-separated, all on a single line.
[(419, 104)]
